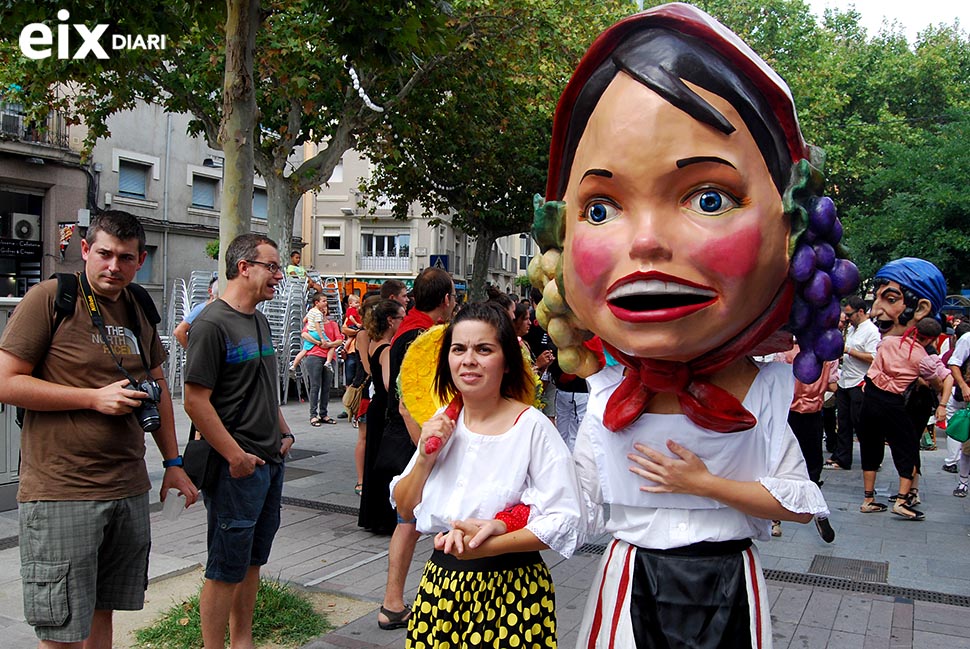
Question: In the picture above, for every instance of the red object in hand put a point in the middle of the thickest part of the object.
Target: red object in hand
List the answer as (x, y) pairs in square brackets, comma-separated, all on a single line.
[(454, 408), (515, 517), (431, 445)]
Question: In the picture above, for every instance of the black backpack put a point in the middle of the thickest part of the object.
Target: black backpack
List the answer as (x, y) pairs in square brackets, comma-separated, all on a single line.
[(66, 299)]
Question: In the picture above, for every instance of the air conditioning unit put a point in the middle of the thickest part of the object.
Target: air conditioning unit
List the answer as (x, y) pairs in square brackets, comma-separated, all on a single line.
[(25, 227)]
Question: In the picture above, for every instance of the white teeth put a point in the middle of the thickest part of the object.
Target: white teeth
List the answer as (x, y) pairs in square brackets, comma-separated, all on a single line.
[(657, 287)]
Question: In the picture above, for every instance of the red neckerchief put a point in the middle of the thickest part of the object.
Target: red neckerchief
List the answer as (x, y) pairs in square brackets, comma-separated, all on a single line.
[(413, 320), (704, 403)]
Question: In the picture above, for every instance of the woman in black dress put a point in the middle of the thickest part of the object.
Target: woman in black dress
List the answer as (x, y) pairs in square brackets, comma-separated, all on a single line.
[(381, 323)]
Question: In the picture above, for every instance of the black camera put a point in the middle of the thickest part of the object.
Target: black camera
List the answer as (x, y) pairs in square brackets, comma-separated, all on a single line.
[(147, 412)]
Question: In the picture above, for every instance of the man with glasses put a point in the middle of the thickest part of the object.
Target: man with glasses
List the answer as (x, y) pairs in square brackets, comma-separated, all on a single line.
[(230, 395), (861, 339)]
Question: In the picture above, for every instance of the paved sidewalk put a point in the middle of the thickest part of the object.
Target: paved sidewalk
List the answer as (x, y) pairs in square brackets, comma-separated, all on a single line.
[(913, 592)]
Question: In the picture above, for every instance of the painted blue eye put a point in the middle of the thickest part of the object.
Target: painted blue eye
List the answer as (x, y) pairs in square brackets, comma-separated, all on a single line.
[(600, 212), (711, 202)]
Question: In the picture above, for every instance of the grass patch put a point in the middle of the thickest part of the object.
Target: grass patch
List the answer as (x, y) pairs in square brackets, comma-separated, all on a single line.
[(282, 616)]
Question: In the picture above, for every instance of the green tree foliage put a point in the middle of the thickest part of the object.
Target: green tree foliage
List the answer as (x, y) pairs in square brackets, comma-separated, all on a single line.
[(303, 78), (916, 206), (473, 146)]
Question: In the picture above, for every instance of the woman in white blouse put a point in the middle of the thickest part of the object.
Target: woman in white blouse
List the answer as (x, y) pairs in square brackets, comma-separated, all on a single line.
[(486, 581)]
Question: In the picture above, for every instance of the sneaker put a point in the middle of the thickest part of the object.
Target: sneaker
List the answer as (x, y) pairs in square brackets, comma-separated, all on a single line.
[(342, 415), (961, 490), (824, 529), (950, 468), (776, 528)]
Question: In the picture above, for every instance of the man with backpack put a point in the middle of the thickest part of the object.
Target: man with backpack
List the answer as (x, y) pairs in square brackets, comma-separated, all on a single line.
[(82, 356)]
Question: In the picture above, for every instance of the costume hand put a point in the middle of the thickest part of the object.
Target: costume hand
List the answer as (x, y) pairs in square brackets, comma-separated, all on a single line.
[(440, 426), (115, 399), (245, 465), (285, 446), (683, 474), (176, 478)]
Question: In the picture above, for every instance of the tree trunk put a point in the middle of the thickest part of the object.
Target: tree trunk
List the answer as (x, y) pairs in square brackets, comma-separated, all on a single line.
[(238, 121), (281, 197), (483, 246)]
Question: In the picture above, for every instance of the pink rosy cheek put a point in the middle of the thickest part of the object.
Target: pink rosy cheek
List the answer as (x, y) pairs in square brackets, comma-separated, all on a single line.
[(732, 256), (589, 260)]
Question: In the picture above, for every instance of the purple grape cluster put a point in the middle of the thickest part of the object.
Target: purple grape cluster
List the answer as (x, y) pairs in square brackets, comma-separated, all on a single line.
[(822, 279)]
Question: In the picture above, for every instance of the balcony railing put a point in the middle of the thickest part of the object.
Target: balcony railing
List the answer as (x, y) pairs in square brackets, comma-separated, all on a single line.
[(376, 264), (13, 125)]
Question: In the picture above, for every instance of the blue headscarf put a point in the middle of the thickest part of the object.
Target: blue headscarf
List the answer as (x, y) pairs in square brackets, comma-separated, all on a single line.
[(918, 275)]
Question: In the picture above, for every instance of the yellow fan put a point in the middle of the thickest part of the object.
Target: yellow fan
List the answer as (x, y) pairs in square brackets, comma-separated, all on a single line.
[(416, 380)]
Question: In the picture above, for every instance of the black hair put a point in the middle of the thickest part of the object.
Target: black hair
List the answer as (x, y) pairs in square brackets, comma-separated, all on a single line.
[(856, 303), (498, 297), (376, 318), (961, 329), (243, 248), (662, 60), (431, 287), (929, 328), (119, 224), (516, 382)]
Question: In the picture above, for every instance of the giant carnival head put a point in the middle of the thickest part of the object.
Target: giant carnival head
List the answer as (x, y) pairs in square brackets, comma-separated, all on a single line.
[(907, 290), (683, 221)]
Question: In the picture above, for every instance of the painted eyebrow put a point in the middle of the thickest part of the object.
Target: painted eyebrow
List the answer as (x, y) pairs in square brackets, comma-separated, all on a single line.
[(605, 173), (699, 159)]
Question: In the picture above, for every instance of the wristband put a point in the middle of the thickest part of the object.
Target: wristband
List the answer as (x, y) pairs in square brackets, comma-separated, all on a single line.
[(175, 461), (288, 436)]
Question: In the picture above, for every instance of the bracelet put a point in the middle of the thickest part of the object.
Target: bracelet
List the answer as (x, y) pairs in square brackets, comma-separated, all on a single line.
[(288, 436), (175, 461)]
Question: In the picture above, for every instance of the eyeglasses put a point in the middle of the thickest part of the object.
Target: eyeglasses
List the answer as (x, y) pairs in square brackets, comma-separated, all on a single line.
[(397, 317), (272, 267)]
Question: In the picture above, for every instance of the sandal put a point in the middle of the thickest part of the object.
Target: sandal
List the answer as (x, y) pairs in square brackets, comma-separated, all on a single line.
[(359, 488), (327, 420), (902, 508), (776, 528), (315, 421), (395, 619), (872, 507), (829, 464)]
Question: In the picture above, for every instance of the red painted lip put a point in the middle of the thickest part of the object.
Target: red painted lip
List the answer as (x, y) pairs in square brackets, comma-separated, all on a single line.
[(657, 315), (654, 275)]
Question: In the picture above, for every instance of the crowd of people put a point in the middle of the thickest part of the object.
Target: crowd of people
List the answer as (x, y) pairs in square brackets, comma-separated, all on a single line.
[(632, 394)]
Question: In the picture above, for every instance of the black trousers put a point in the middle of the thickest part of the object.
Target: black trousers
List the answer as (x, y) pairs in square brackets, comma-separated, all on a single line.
[(807, 427), (884, 420), (848, 405), (828, 425)]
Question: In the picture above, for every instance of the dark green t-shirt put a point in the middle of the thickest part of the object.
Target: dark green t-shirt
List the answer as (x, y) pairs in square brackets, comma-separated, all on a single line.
[(226, 354)]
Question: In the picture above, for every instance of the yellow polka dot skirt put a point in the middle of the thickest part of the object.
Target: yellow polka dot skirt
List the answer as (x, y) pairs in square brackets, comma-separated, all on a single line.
[(459, 609)]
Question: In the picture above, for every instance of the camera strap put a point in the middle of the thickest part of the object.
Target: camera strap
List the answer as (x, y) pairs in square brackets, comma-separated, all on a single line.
[(91, 302)]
